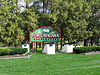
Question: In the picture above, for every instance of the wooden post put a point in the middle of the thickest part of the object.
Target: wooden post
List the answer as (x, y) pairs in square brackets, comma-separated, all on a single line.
[(56, 46), (42, 45), (34, 47), (61, 44)]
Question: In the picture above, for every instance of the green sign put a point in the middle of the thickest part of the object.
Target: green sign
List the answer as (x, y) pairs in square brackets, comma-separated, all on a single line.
[(45, 34)]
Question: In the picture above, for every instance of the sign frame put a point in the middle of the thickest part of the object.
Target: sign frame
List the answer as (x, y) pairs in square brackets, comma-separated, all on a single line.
[(60, 37)]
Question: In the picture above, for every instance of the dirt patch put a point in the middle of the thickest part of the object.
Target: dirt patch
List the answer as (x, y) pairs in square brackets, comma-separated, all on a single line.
[(15, 56), (92, 52)]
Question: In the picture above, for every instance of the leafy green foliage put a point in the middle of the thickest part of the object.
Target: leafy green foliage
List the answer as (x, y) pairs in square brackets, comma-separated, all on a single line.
[(68, 16), (10, 32), (94, 23), (29, 19), (14, 26), (78, 13), (76, 19), (4, 51), (12, 50), (86, 49)]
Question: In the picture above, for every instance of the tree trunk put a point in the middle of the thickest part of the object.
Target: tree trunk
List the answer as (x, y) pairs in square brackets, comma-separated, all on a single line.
[(43, 6), (15, 45), (9, 45), (98, 42), (91, 41), (85, 42)]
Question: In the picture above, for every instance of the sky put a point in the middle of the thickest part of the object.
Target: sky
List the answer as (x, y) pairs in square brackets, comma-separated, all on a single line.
[(22, 4)]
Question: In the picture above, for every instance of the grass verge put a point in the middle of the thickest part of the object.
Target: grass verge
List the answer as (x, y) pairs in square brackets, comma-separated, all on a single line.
[(58, 64)]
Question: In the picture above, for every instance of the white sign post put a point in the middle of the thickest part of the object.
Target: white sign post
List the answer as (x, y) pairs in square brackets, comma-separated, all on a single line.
[(49, 49), (26, 46), (67, 48)]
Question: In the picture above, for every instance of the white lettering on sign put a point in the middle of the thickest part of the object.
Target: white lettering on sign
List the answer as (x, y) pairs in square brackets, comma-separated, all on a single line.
[(45, 35), (50, 35), (37, 35)]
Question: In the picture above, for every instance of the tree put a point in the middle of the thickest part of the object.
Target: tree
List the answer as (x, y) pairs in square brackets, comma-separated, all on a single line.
[(28, 20), (10, 32), (94, 23), (71, 17)]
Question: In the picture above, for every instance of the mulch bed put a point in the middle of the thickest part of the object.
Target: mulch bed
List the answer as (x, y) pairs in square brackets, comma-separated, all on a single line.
[(15, 56), (92, 52)]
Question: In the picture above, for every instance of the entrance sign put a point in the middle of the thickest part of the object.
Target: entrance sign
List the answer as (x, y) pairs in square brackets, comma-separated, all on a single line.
[(45, 34)]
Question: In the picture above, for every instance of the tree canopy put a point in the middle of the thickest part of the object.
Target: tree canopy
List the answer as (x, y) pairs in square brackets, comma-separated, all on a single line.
[(76, 19)]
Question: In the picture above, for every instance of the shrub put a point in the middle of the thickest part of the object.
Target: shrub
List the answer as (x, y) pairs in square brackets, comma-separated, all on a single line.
[(12, 50), (86, 49), (4, 51)]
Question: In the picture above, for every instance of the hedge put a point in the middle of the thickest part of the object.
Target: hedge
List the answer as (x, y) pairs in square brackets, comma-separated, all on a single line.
[(86, 49), (12, 50)]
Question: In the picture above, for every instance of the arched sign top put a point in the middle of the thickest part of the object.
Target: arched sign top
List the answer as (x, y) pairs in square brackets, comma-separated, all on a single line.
[(45, 34), (47, 27)]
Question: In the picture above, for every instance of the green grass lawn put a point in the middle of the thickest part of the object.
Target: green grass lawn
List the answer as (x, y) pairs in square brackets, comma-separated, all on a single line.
[(58, 64)]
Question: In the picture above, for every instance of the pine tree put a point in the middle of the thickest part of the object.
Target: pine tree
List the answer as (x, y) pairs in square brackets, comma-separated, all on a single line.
[(10, 32)]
